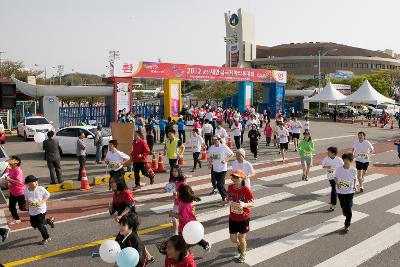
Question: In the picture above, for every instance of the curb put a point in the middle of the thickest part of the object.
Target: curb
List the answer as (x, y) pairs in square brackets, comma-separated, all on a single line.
[(65, 186)]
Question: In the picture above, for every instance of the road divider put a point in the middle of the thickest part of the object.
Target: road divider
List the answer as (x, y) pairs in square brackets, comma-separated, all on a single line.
[(66, 185), (99, 180)]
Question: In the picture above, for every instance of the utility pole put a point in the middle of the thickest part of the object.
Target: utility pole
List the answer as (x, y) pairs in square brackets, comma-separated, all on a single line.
[(60, 70), (1, 52)]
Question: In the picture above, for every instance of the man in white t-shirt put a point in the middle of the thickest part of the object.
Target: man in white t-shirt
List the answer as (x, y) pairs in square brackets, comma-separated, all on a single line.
[(296, 130), (236, 129), (331, 162), (207, 131), (36, 197), (221, 132), (283, 135), (362, 149), (241, 164), (197, 143), (218, 156), (345, 179)]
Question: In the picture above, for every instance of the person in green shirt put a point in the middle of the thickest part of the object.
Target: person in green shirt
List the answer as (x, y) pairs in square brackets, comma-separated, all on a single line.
[(306, 149)]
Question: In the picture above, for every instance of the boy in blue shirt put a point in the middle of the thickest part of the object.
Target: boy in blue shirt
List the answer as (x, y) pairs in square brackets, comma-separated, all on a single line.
[(181, 129), (161, 125)]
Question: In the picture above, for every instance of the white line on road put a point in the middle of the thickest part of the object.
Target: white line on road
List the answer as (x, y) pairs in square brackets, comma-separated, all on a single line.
[(288, 174), (366, 249), (334, 137), (290, 242), (395, 210), (369, 178), (311, 180), (268, 220), (378, 193)]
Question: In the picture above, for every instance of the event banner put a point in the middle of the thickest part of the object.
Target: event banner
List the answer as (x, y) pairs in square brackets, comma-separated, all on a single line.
[(196, 72), (175, 99), (123, 97)]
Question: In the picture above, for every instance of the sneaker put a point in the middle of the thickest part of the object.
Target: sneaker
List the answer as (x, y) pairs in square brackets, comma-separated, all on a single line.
[(14, 222), (44, 241), (333, 207), (152, 180), (305, 178), (213, 192), (361, 189), (223, 203), (302, 177), (4, 234), (136, 187), (192, 170), (150, 260), (50, 222), (61, 181), (346, 229), (242, 258), (255, 158), (207, 248)]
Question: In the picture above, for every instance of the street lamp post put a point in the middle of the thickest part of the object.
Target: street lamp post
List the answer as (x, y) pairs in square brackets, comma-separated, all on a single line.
[(319, 70), (45, 71)]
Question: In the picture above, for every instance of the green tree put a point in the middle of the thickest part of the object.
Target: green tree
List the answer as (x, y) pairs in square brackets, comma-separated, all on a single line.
[(293, 83), (9, 67)]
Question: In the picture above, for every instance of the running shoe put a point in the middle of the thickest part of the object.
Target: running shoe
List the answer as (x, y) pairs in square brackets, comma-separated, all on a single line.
[(361, 189), (242, 258), (207, 248), (305, 178), (213, 192), (150, 260), (44, 241), (136, 187), (333, 207), (50, 222), (346, 229), (14, 222)]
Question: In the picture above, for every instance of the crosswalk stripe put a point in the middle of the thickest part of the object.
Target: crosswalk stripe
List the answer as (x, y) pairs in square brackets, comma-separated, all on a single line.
[(205, 199), (366, 249), (369, 178), (218, 213), (378, 193), (288, 174), (295, 240), (395, 210), (311, 180), (268, 220)]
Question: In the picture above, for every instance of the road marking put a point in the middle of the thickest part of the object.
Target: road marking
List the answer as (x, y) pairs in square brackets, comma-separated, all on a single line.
[(395, 210), (205, 199), (311, 180), (268, 220), (218, 213), (378, 193), (79, 247), (3, 219), (369, 178), (288, 174), (334, 137), (366, 249), (295, 240)]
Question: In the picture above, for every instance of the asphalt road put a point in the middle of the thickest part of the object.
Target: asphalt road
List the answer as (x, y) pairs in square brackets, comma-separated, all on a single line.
[(291, 222)]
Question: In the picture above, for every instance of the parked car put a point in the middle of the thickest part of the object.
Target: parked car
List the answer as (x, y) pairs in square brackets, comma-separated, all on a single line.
[(68, 136), (28, 126), (2, 132), (389, 109), (363, 110), (344, 110)]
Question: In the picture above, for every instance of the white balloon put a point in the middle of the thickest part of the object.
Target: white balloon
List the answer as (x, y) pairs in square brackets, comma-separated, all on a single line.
[(170, 187), (193, 232), (109, 251), (39, 137)]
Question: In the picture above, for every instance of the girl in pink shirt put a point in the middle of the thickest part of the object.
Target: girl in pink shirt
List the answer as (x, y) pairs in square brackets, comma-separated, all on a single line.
[(15, 179), (186, 211), (268, 133), (177, 178)]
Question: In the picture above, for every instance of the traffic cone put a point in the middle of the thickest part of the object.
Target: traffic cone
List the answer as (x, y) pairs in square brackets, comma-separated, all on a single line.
[(362, 121), (376, 122), (229, 141), (204, 154), (161, 167), (154, 163), (369, 123), (181, 161), (392, 125), (84, 180)]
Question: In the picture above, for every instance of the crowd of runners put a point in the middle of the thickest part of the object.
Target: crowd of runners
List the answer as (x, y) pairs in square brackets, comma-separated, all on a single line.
[(212, 130)]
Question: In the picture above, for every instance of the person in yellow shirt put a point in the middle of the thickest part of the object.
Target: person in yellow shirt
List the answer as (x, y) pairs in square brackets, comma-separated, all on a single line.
[(173, 148)]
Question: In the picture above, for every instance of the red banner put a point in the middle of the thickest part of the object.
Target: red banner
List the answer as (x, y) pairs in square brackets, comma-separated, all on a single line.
[(199, 72)]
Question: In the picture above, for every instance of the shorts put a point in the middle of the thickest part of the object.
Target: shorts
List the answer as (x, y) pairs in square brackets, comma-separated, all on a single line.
[(362, 165), (240, 227), (284, 146), (296, 135), (306, 161)]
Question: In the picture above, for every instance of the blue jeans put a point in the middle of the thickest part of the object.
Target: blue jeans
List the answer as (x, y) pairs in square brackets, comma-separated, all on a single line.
[(98, 153), (219, 178)]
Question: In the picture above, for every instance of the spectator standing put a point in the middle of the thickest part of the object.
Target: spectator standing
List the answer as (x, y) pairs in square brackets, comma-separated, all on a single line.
[(52, 156), (98, 143), (161, 125), (81, 153), (181, 129)]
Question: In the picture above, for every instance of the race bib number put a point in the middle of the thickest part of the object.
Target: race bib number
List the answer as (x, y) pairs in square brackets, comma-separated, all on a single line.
[(216, 156), (33, 203), (307, 154), (362, 155), (344, 184), (330, 170), (236, 208), (282, 136)]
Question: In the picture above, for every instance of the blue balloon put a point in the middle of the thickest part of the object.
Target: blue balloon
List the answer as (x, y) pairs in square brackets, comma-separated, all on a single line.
[(128, 257)]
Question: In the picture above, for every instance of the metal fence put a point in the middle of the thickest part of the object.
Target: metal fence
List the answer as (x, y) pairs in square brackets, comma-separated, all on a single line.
[(70, 116), (147, 110)]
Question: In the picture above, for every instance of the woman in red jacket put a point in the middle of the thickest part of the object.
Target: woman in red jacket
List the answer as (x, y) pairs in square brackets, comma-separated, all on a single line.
[(139, 154)]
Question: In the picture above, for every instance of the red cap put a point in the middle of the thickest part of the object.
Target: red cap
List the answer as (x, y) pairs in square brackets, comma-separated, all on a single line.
[(239, 173)]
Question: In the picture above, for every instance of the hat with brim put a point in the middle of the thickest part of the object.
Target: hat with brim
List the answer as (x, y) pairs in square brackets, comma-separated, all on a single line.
[(31, 179), (239, 174), (242, 152), (217, 137)]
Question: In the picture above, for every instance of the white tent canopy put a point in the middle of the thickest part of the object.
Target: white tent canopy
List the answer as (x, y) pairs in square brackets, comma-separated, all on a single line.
[(367, 94), (329, 94)]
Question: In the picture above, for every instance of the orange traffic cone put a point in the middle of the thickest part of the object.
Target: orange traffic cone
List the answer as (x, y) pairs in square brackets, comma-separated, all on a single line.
[(181, 161), (161, 167), (204, 154), (376, 122), (229, 141), (84, 180), (369, 123), (154, 163), (392, 125), (362, 121)]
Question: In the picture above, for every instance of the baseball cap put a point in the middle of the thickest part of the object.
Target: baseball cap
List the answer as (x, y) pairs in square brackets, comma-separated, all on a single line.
[(241, 152), (30, 179), (239, 173), (217, 136)]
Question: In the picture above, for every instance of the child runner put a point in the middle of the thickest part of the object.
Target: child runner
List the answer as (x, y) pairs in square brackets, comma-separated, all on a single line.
[(177, 178), (197, 143), (331, 163), (15, 179), (128, 236), (288, 126), (241, 201), (178, 253), (283, 135), (307, 124), (306, 149), (36, 197), (362, 148), (345, 179), (185, 198), (236, 128), (254, 135), (296, 129), (268, 134), (241, 164)]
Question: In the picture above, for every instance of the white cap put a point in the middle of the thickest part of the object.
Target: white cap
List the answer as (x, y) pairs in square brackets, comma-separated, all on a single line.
[(241, 152)]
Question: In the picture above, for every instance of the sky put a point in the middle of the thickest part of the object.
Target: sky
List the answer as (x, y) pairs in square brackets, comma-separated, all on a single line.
[(79, 33)]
